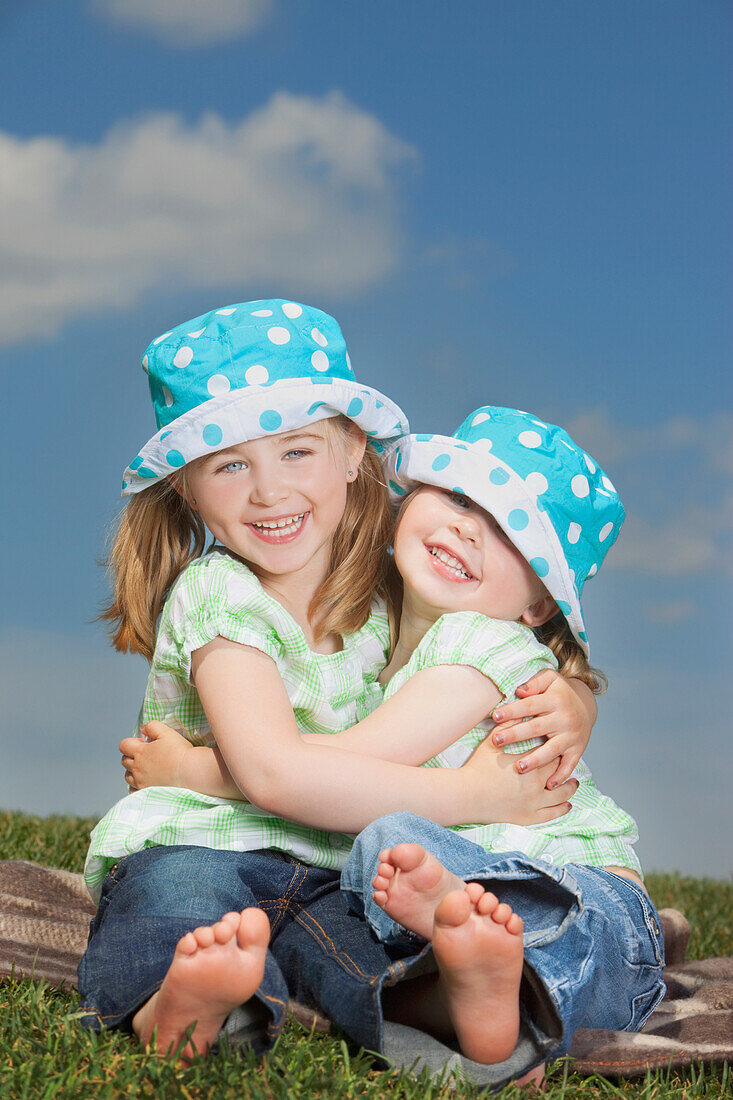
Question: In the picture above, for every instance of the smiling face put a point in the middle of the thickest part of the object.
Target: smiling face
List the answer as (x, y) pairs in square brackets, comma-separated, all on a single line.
[(276, 502), (453, 556)]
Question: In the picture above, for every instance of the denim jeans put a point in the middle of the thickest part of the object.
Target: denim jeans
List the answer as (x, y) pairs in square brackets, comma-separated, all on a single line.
[(320, 953), (591, 937)]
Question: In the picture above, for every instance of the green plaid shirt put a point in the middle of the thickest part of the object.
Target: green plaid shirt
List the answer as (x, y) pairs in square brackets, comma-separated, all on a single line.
[(596, 831), (218, 595)]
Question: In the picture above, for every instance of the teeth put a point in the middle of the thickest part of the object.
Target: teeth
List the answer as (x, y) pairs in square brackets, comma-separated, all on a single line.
[(452, 563), (286, 526)]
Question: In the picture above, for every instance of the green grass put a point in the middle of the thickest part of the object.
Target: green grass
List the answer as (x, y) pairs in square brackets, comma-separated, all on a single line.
[(44, 1053)]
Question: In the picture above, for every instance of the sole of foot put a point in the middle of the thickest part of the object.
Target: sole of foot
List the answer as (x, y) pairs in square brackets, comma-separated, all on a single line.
[(214, 969), (409, 884), (479, 952)]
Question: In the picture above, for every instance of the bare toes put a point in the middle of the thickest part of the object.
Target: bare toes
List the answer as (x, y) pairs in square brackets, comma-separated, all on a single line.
[(454, 909), (407, 856), (515, 925), (386, 870), (502, 913), (487, 903), (204, 936), (187, 944), (475, 891), (223, 931), (254, 928)]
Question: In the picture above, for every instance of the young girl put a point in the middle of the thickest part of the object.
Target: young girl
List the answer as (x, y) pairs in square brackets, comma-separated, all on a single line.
[(530, 518), (261, 439)]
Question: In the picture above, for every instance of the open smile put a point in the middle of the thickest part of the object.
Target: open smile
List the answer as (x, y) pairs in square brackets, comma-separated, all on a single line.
[(448, 565), (279, 531)]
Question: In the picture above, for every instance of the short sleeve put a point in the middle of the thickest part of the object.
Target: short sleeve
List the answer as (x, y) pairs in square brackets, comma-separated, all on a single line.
[(507, 653), (217, 597)]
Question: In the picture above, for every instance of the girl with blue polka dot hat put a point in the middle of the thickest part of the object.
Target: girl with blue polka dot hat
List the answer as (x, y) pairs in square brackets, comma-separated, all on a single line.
[(548, 496), (499, 526), (276, 633)]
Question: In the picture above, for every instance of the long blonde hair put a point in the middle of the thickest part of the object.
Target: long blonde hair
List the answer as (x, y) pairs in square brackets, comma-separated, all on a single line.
[(572, 663), (158, 534)]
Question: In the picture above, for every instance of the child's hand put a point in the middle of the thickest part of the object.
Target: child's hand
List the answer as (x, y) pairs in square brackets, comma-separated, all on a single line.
[(157, 762), (561, 710), (507, 795)]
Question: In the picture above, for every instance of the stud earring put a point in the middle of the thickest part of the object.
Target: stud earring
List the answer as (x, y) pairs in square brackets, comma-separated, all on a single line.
[(351, 476)]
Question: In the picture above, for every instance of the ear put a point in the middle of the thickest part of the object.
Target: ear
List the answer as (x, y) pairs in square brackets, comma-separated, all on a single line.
[(178, 483), (356, 447), (540, 612)]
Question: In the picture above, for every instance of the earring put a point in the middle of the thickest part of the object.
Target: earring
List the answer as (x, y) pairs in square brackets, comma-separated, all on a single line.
[(350, 475), (193, 501)]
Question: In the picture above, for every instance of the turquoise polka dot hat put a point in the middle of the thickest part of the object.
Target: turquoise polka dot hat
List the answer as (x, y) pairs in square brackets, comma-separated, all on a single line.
[(247, 371), (552, 500)]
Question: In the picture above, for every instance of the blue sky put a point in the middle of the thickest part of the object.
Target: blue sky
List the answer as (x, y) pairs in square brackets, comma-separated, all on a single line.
[(519, 204)]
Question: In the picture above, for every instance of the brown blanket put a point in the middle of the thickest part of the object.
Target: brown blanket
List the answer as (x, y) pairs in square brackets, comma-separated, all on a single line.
[(44, 921)]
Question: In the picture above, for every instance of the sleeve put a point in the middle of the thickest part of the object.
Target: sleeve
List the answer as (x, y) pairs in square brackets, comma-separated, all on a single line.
[(215, 597), (507, 653)]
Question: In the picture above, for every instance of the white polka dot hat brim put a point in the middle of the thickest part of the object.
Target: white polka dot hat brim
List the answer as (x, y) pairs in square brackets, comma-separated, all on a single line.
[(552, 500), (247, 371)]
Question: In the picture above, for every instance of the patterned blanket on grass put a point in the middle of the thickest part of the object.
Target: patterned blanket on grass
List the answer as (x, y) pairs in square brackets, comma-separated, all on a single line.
[(44, 921)]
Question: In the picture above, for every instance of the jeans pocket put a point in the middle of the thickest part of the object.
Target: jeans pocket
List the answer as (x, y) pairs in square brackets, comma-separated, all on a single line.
[(644, 1004), (650, 943)]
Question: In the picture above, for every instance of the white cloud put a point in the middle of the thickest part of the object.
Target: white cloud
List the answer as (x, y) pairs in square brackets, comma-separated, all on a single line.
[(302, 192), (688, 543), (673, 611), (188, 23), (611, 442), (696, 536)]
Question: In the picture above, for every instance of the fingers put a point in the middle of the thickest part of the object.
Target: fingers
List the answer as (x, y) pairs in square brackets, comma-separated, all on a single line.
[(565, 792), (565, 769), (153, 730), (522, 708), (523, 731), (128, 746), (538, 683), (552, 813), (538, 758)]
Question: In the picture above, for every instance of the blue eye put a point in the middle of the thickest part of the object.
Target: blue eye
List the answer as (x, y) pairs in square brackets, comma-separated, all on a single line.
[(459, 500), (297, 453), (233, 466)]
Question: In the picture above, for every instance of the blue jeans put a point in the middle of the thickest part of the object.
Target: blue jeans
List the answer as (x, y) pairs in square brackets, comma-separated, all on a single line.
[(320, 953), (592, 938)]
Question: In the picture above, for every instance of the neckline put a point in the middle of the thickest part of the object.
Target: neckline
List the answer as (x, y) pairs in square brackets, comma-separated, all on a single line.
[(295, 626)]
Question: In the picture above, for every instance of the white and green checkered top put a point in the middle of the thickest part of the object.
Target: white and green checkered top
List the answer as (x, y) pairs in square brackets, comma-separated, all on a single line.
[(596, 831), (218, 595)]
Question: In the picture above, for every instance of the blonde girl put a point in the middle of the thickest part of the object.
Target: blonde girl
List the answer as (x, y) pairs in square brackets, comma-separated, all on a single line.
[(282, 628)]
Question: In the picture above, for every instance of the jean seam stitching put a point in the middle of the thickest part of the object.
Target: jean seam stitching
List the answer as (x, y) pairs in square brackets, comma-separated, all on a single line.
[(300, 913)]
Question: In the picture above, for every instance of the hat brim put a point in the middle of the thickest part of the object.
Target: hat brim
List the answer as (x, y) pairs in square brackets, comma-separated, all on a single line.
[(255, 412), (414, 461)]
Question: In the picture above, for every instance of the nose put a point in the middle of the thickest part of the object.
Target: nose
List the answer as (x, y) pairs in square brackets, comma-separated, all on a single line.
[(465, 527), (268, 486)]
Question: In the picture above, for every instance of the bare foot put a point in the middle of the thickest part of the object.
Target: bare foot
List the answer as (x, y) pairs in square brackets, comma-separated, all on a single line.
[(410, 883), (214, 969), (478, 949)]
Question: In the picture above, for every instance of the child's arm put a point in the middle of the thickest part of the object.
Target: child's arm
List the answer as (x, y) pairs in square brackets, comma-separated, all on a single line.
[(164, 758), (409, 728), (321, 785), (562, 710)]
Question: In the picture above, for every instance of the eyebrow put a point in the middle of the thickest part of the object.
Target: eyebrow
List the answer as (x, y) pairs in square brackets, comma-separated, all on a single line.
[(287, 437)]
